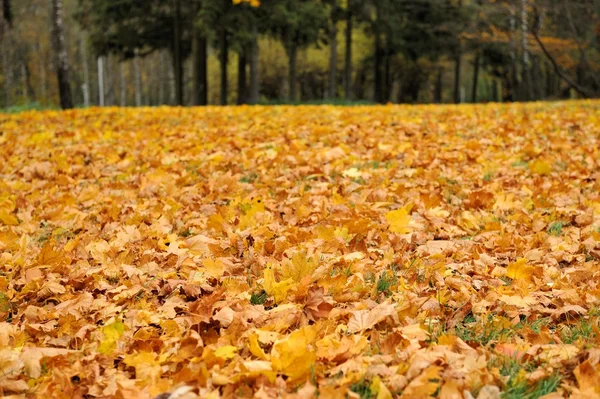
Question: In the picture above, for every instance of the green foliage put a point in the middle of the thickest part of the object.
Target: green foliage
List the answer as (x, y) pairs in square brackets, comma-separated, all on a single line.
[(556, 228), (258, 298), (385, 283), (363, 389), (582, 330), (34, 106)]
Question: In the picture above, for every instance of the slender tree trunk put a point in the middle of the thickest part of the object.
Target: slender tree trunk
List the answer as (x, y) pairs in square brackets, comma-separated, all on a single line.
[(24, 91), (60, 53), (242, 87), (526, 68), (387, 76), (514, 79), (332, 89), (437, 95), (476, 63), (137, 80), (100, 62), (224, 60), (123, 81), (44, 78), (86, 70), (108, 78), (176, 53), (161, 82), (292, 56), (254, 94), (457, 74), (199, 69), (549, 80), (348, 60), (378, 94), (7, 74)]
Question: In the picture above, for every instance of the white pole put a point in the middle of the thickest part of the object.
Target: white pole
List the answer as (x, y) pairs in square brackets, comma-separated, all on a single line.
[(101, 81)]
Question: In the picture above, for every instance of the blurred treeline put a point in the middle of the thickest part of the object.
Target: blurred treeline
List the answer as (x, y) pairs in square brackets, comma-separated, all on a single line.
[(194, 52)]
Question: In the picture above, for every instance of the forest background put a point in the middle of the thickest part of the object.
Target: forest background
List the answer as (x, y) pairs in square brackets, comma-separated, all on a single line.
[(79, 53)]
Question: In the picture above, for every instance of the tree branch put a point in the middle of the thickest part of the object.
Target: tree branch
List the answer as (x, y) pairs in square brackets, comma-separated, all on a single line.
[(578, 88), (579, 45)]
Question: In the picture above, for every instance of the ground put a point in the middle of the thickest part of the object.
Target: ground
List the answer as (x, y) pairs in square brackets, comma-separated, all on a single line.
[(370, 251)]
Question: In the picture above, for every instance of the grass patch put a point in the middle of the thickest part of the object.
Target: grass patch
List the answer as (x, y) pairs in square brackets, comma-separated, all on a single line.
[(16, 109), (482, 331), (556, 228), (517, 386), (258, 298), (337, 102), (582, 330), (363, 389), (385, 283)]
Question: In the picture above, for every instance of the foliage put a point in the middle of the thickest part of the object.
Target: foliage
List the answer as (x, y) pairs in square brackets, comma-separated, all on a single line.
[(300, 251)]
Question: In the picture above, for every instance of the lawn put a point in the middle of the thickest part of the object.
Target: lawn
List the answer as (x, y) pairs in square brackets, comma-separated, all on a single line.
[(360, 252)]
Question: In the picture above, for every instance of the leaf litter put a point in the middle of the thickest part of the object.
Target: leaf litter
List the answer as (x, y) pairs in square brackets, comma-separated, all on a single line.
[(360, 252)]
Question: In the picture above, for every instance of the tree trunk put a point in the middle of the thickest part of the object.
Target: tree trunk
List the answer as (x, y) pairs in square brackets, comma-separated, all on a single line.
[(86, 70), (43, 77), (60, 54), (101, 81), (109, 84), (254, 94), (437, 95), (162, 78), (292, 55), (475, 77), (494, 90), (137, 80), (514, 79), (123, 81), (242, 87), (199, 70), (224, 60), (177, 56), (378, 95), (332, 86), (387, 77), (526, 67), (7, 74), (348, 60), (457, 74)]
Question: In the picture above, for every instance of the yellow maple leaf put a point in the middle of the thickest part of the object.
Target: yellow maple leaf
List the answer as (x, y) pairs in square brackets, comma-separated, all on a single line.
[(519, 270), (147, 367), (399, 220), (112, 333), (214, 268), (294, 355), (380, 389), (279, 290), (8, 219), (248, 211), (226, 352), (299, 267), (540, 167), (255, 348)]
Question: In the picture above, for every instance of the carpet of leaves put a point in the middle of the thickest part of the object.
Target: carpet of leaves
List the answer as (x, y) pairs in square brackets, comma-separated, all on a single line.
[(359, 252)]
